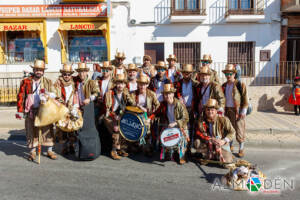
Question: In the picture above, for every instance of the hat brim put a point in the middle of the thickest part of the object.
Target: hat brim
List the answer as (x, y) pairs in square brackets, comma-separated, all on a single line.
[(120, 57), (161, 67), (33, 67), (109, 68), (169, 59), (119, 81), (142, 82), (228, 71), (216, 107), (64, 71), (209, 61), (132, 70), (204, 73), (82, 70), (173, 90), (184, 71)]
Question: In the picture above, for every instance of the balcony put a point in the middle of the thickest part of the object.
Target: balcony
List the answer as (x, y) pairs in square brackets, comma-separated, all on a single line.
[(193, 11), (290, 5), (244, 10)]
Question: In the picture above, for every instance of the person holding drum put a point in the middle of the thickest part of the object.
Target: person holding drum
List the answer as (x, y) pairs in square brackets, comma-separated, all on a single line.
[(65, 93), (157, 82), (132, 71), (214, 134), (115, 103), (146, 100), (173, 122), (208, 89)]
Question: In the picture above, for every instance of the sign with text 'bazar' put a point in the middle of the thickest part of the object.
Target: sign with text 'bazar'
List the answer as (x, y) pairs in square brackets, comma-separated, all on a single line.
[(53, 11)]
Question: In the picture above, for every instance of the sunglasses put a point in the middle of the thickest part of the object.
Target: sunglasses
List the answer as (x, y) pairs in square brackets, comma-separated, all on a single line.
[(105, 70), (161, 70), (66, 74), (228, 74), (205, 62)]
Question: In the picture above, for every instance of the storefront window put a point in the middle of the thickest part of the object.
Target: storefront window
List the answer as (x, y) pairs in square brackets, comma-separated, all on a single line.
[(87, 46), (24, 46)]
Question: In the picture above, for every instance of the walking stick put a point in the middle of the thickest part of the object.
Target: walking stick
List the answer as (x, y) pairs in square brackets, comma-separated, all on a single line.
[(39, 146)]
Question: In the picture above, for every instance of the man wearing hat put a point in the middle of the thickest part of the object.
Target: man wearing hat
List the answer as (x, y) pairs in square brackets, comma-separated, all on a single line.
[(206, 62), (236, 105), (146, 100), (157, 82), (120, 68), (173, 114), (172, 72), (87, 89), (66, 94), (208, 89), (28, 101), (147, 68), (213, 134), (132, 71), (116, 101)]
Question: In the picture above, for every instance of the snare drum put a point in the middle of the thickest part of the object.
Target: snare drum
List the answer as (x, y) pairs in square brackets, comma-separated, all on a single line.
[(131, 124), (171, 137)]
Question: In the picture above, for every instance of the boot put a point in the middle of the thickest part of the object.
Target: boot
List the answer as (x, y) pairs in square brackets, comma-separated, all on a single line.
[(241, 153), (51, 155), (32, 156), (296, 110), (182, 161), (231, 149), (65, 150), (122, 153), (115, 155)]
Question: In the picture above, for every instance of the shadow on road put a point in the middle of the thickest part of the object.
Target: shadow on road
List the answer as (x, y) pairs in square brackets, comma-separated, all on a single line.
[(209, 177)]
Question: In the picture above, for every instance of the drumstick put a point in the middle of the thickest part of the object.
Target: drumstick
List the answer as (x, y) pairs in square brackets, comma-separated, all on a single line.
[(39, 146)]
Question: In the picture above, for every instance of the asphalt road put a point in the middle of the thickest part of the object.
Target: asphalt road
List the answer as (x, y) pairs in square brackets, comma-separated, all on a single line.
[(132, 178)]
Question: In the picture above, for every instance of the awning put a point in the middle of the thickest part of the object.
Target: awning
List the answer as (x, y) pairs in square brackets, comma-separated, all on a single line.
[(67, 26), (24, 27), (21, 26)]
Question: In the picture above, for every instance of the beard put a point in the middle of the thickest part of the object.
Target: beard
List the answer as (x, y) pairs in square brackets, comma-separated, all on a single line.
[(204, 81), (38, 75), (131, 78)]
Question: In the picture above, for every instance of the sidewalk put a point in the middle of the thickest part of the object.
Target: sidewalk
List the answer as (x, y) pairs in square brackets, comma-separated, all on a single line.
[(262, 128)]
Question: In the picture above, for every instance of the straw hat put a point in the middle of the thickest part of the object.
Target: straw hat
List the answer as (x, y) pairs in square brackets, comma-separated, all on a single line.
[(38, 64), (82, 67), (120, 78), (204, 70), (161, 65), (120, 55), (207, 57), (169, 88), (172, 57), (187, 68), (212, 103), (147, 57), (67, 68), (143, 79), (297, 78), (107, 65), (229, 68), (132, 67)]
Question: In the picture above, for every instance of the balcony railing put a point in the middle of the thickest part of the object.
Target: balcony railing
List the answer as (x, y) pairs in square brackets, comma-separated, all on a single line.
[(245, 7), (188, 7)]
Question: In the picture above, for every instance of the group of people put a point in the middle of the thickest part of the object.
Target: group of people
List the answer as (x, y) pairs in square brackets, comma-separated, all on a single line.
[(208, 114)]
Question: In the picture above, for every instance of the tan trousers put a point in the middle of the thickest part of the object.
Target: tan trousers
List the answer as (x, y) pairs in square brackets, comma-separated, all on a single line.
[(239, 125), (202, 148), (32, 134)]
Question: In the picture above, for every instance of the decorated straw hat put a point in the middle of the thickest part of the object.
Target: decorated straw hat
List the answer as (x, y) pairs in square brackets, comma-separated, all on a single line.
[(38, 64), (229, 68), (67, 68), (147, 57), (82, 67), (107, 65), (120, 55), (169, 88), (143, 79), (161, 65), (212, 103), (172, 57), (204, 70), (207, 57), (297, 78), (132, 67), (120, 78), (187, 68)]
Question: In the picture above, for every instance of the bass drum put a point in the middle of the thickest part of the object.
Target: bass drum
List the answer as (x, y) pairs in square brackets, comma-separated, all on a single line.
[(131, 124)]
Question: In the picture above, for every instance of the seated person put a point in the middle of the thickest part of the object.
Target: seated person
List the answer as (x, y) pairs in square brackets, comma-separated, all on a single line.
[(213, 134)]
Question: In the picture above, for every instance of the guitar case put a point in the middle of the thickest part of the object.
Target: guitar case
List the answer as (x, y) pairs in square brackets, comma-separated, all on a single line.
[(88, 141)]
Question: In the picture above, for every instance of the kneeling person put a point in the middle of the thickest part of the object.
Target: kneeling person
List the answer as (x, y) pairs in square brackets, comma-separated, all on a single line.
[(116, 101), (213, 134)]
